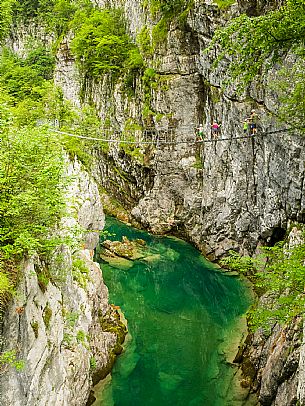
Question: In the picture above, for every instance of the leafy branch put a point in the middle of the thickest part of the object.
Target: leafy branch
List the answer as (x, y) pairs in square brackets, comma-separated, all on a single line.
[(256, 43), (279, 272)]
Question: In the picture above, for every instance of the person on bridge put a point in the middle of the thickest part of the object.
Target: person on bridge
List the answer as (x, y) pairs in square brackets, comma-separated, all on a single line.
[(215, 129), (254, 118), (200, 133), (246, 126)]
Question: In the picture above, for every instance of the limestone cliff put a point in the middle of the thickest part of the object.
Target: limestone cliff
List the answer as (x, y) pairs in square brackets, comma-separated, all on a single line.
[(223, 195), (273, 360), (59, 322), (234, 193)]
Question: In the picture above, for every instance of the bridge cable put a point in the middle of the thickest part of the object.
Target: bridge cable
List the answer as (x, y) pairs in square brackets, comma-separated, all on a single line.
[(159, 142)]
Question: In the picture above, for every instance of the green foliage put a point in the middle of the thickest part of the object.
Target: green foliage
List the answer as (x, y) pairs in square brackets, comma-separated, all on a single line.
[(71, 319), (41, 61), (149, 76), (27, 84), (62, 13), (35, 327), (81, 337), (32, 98), (31, 191), (80, 272), (5, 284), (198, 164), (9, 358), (144, 42), (32, 183), (54, 16), (101, 44), (255, 44), (165, 13), (280, 273), (133, 65), (46, 315), (159, 32), (43, 280), (251, 42), (6, 117), (223, 4), (167, 8), (68, 340), (5, 18), (77, 148), (84, 122), (289, 85), (19, 77), (133, 151), (30, 9), (284, 278), (241, 264), (149, 79), (93, 364), (134, 60)]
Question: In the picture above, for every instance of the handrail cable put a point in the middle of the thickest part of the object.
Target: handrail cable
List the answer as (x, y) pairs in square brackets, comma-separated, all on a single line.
[(171, 142)]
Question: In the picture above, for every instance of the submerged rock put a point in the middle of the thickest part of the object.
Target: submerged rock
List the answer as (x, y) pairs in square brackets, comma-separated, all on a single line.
[(126, 249), (117, 262)]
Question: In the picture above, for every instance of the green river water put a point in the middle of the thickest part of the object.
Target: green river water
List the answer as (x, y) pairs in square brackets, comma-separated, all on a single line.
[(185, 322)]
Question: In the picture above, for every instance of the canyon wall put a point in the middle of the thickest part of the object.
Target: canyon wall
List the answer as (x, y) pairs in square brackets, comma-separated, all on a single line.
[(229, 193), (59, 322)]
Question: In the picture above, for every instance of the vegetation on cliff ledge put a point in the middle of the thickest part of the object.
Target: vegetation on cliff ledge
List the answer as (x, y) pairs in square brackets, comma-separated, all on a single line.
[(101, 43), (253, 45), (32, 183), (278, 273)]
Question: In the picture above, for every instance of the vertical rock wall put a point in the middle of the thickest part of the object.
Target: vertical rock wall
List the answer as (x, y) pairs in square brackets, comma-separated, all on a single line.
[(221, 195), (273, 361), (56, 320), (234, 193)]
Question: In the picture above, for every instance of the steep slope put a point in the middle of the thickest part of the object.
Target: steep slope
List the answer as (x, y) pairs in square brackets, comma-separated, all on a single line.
[(222, 195), (59, 323), (231, 193)]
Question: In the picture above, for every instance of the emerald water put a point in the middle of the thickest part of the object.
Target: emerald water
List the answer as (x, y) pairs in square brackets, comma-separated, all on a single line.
[(184, 321)]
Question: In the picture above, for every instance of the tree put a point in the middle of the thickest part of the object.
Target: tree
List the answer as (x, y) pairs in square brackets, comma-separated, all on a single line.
[(279, 272), (5, 17), (101, 44), (253, 45), (31, 190)]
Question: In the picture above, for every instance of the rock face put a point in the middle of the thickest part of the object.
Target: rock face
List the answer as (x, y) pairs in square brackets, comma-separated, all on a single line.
[(56, 321), (126, 179), (227, 193), (230, 193), (272, 365), (273, 362)]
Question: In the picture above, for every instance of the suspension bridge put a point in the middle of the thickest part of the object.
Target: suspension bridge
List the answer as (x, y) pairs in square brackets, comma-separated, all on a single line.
[(159, 137)]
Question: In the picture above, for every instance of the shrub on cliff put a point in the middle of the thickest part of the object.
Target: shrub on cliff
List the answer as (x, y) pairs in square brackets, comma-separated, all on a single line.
[(252, 45), (5, 17), (31, 190), (101, 44), (279, 273)]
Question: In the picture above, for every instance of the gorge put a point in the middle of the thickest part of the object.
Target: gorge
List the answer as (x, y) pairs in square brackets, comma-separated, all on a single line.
[(185, 320), (131, 68)]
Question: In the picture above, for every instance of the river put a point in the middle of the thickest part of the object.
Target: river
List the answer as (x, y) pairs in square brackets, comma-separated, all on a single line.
[(185, 321)]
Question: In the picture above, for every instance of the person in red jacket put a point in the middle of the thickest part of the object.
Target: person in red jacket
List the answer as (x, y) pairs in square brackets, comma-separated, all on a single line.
[(215, 129)]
